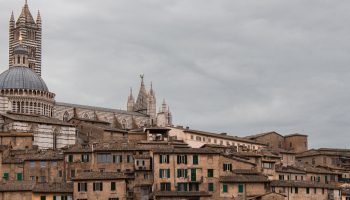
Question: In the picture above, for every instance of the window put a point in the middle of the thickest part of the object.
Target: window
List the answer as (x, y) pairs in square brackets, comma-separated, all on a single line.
[(267, 165), (72, 173), (129, 159), (53, 163), (182, 186), (85, 158), (70, 158), (82, 187), (113, 186), (117, 158), (42, 197), (296, 190), (19, 177), (165, 186), (164, 173), (195, 160), (210, 172), (307, 190), (240, 188), (32, 178), (227, 167), (281, 177), (224, 188), (181, 173), (296, 178), (163, 158), (181, 159), (103, 158), (315, 190), (98, 186), (32, 164), (198, 138), (302, 178), (42, 179), (42, 164), (318, 179), (191, 137), (60, 173), (322, 190), (210, 187)]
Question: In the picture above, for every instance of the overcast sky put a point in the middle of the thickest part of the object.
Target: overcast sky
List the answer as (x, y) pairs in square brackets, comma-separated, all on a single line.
[(241, 67)]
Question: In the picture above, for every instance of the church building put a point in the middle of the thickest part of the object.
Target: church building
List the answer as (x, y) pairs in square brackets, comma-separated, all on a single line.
[(28, 106)]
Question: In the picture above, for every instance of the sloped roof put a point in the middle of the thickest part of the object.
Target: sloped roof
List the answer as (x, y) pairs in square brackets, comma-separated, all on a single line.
[(240, 178)]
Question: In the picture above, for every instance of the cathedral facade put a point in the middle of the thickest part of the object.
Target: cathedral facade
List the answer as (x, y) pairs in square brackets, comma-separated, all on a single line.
[(28, 106)]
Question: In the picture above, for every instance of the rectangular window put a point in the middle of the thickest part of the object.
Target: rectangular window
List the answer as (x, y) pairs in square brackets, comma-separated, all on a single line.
[(164, 173), (227, 167), (182, 187), (53, 163), (307, 190), (113, 186), (211, 187), (42, 164), (82, 187), (104, 158), (267, 165), (224, 188), (210, 172), (32, 164), (181, 173), (163, 158), (281, 177), (195, 159), (117, 158), (85, 158), (98, 186), (42, 197), (240, 188), (296, 190), (42, 179), (315, 190), (165, 186), (19, 177), (70, 158), (181, 159), (129, 159)]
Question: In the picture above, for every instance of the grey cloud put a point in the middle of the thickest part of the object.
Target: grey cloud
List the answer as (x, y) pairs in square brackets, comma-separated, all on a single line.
[(240, 67)]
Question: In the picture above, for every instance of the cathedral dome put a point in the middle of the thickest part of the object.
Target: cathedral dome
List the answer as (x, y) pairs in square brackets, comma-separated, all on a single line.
[(20, 77)]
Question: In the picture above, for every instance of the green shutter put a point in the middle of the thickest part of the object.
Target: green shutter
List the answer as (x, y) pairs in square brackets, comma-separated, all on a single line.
[(240, 188), (19, 177), (167, 159), (224, 188), (185, 186), (43, 198), (210, 187), (210, 172), (168, 175), (113, 186), (186, 173), (6, 176), (195, 159), (54, 197), (193, 174), (160, 158), (178, 173), (185, 159), (160, 173), (318, 179)]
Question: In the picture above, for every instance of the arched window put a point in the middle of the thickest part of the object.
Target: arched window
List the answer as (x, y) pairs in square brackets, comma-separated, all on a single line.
[(65, 116), (23, 60), (18, 59)]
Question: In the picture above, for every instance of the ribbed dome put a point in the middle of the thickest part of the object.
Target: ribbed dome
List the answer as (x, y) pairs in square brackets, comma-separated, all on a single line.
[(20, 77)]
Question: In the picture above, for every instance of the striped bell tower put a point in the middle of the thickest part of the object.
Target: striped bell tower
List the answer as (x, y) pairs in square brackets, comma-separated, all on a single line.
[(30, 31)]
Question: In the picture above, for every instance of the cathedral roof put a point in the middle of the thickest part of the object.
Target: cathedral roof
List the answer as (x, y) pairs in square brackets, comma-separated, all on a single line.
[(20, 77)]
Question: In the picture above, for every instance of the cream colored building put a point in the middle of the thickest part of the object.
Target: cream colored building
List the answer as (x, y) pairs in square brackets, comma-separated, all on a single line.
[(197, 139)]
